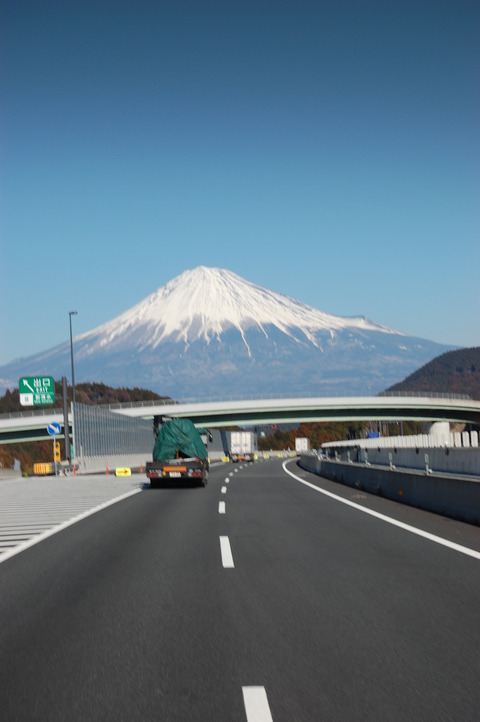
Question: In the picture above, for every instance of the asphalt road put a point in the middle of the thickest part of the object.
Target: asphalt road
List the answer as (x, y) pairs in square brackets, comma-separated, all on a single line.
[(258, 599)]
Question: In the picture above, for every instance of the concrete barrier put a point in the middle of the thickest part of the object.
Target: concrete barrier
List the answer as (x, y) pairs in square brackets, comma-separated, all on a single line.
[(10, 474), (108, 464), (453, 496)]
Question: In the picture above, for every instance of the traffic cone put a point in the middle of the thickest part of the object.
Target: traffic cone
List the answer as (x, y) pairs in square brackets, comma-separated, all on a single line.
[(107, 469)]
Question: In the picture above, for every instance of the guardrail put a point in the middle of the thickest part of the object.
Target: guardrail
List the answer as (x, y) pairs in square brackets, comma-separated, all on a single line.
[(452, 495)]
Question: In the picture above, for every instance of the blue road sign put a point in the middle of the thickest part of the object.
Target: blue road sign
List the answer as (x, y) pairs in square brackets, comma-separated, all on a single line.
[(54, 428)]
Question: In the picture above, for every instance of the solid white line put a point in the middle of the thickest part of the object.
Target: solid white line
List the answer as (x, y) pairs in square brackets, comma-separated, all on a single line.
[(256, 704), (64, 525), (227, 558), (388, 519), (221, 507)]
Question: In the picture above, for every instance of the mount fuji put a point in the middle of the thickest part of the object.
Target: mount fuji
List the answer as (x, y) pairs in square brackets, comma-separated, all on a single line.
[(209, 333)]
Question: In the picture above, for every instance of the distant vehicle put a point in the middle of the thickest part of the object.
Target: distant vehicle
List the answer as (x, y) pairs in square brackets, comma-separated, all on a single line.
[(302, 445), (179, 454), (242, 446)]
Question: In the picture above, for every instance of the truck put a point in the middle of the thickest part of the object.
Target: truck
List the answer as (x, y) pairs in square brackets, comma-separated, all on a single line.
[(179, 454), (302, 445), (242, 446)]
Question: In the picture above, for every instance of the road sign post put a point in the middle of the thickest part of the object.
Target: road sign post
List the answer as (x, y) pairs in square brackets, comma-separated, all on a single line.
[(66, 426), (53, 429), (36, 390)]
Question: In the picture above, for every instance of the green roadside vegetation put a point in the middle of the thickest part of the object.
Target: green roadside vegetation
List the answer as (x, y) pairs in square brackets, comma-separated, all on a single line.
[(321, 433)]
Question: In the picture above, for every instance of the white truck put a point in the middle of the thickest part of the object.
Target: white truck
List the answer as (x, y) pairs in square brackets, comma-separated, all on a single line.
[(243, 446), (302, 445)]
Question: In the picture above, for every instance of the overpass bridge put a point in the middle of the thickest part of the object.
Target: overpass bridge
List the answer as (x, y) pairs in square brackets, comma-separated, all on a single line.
[(32, 425), (252, 412)]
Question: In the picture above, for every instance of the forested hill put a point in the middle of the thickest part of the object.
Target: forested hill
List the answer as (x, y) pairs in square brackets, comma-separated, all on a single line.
[(85, 393), (454, 372)]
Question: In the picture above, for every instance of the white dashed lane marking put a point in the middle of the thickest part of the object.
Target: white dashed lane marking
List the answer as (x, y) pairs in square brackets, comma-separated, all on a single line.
[(226, 552), (256, 704)]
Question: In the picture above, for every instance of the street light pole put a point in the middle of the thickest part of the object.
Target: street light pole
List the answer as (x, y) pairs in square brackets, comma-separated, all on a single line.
[(72, 455), (70, 314)]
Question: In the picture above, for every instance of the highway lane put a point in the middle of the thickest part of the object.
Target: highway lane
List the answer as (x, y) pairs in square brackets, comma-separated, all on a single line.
[(131, 615)]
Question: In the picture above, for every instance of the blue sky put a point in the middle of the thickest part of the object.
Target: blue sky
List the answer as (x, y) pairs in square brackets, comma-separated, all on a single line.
[(326, 150)]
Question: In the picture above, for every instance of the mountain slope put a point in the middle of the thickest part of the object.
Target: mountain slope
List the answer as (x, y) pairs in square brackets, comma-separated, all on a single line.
[(210, 333), (455, 372)]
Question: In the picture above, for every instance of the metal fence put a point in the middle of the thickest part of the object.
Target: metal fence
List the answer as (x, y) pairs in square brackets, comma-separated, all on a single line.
[(100, 432)]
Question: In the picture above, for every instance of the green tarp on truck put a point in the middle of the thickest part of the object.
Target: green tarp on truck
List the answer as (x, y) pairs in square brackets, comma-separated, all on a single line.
[(178, 437)]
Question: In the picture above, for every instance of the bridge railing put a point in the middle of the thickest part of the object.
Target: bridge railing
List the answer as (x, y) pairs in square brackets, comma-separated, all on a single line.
[(457, 439), (231, 397)]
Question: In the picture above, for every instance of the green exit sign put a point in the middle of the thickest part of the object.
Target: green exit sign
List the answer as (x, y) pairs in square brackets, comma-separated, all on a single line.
[(36, 390)]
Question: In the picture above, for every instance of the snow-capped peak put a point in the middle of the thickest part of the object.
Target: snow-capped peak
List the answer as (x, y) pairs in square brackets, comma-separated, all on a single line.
[(209, 330), (205, 302)]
